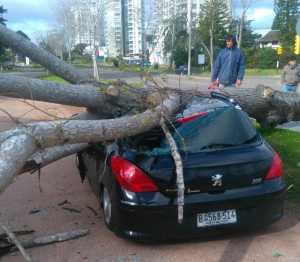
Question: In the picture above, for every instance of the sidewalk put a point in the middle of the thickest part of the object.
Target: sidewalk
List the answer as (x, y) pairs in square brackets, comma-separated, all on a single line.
[(293, 125)]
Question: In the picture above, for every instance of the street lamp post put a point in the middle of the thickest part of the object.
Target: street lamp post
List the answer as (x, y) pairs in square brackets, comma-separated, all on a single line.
[(190, 34)]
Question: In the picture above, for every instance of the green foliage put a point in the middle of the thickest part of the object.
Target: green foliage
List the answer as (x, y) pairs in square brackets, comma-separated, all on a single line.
[(176, 36), (54, 78), (286, 14), (180, 56), (6, 56), (287, 144), (263, 58), (2, 11), (114, 61), (156, 66), (78, 50), (260, 58), (250, 55), (214, 17)]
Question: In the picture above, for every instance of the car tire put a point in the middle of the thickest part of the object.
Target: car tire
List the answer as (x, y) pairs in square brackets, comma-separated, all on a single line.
[(110, 210)]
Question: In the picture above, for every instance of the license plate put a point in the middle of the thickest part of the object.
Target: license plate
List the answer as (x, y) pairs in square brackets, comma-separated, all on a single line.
[(216, 218)]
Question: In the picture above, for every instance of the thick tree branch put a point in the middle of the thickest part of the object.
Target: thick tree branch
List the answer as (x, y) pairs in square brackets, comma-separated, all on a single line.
[(107, 101), (23, 46), (13, 154), (47, 91), (17, 243), (179, 169), (22, 142), (50, 155)]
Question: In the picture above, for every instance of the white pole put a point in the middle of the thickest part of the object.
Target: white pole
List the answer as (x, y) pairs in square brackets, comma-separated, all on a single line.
[(189, 14)]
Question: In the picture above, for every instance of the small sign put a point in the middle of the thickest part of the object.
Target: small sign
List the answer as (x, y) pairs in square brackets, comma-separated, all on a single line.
[(201, 59), (100, 58)]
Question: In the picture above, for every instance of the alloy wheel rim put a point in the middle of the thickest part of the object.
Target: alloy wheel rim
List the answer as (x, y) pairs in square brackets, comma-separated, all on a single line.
[(106, 206)]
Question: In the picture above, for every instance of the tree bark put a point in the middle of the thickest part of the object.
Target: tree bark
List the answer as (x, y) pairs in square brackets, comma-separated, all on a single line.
[(108, 101), (50, 155), (13, 154), (23, 46), (19, 144)]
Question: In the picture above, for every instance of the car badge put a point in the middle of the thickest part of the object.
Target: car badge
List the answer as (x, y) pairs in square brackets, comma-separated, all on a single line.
[(217, 180)]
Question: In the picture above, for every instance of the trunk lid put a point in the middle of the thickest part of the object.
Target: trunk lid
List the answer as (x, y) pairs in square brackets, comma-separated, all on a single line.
[(211, 171)]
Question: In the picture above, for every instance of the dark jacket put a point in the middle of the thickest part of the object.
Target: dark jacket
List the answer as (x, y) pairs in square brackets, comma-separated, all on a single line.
[(229, 66)]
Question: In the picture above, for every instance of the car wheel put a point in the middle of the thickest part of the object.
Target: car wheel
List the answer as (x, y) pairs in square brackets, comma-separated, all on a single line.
[(106, 206), (110, 210)]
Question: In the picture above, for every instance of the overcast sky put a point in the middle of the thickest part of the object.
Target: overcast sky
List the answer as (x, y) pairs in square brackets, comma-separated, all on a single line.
[(36, 16)]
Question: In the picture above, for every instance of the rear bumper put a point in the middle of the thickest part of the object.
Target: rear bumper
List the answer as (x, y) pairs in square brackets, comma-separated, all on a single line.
[(154, 216)]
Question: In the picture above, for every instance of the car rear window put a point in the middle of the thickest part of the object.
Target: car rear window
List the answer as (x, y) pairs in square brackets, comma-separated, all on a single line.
[(223, 126)]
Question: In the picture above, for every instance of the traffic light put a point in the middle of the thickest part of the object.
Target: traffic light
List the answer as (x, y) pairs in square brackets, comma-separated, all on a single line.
[(279, 50), (297, 45)]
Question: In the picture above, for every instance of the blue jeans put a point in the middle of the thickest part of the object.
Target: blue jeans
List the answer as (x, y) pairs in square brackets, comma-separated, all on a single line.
[(289, 88)]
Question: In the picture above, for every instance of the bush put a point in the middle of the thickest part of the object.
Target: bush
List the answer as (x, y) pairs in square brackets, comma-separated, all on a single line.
[(261, 58), (114, 61), (250, 57), (156, 66), (180, 56)]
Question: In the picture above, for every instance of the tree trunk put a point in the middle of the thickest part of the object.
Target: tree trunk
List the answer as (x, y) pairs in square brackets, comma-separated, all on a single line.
[(21, 45), (211, 50)]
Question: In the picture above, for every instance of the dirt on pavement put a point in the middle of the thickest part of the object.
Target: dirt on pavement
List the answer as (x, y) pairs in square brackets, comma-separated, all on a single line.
[(61, 187)]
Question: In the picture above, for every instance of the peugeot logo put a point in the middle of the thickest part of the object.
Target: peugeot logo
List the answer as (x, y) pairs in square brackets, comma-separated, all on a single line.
[(217, 180)]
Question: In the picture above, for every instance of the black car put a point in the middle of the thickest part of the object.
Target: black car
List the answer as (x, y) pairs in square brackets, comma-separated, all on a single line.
[(233, 178)]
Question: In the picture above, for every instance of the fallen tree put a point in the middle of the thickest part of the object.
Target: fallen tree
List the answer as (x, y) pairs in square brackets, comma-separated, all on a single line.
[(114, 111)]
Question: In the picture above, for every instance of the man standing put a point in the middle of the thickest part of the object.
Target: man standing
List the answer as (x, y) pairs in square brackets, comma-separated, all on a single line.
[(290, 76), (229, 67)]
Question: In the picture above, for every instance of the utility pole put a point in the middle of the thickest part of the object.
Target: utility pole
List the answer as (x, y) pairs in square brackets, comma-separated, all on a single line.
[(189, 14)]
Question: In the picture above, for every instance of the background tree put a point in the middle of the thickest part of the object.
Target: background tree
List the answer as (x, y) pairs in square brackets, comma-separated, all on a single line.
[(52, 41), (3, 52), (65, 19), (239, 14), (2, 12), (175, 39), (286, 14), (214, 22), (250, 38), (79, 17)]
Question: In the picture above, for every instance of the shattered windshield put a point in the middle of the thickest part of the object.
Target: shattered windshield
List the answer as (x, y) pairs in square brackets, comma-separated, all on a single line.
[(217, 126), (222, 127)]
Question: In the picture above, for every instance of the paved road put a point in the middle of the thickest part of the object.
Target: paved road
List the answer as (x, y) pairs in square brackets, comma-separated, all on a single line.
[(173, 80)]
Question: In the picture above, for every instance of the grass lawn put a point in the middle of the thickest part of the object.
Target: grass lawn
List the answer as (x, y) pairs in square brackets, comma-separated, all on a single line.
[(262, 72), (253, 72), (287, 144), (54, 79)]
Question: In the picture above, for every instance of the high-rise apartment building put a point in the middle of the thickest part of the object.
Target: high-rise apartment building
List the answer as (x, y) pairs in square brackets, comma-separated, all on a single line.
[(124, 27), (87, 19), (113, 27)]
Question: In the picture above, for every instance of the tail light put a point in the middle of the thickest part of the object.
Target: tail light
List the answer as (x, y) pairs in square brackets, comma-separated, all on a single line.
[(130, 177), (191, 117), (275, 170)]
